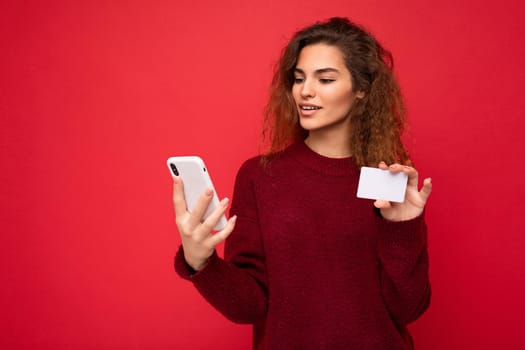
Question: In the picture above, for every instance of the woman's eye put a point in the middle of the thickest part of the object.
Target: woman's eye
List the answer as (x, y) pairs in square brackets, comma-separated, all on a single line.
[(298, 80), (326, 80)]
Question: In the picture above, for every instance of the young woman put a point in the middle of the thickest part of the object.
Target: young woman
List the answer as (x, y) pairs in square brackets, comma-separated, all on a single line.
[(306, 262)]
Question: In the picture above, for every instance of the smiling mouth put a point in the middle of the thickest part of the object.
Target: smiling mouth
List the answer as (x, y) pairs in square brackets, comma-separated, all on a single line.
[(309, 108)]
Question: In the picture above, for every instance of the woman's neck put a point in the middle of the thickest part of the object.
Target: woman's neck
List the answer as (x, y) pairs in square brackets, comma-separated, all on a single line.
[(329, 145)]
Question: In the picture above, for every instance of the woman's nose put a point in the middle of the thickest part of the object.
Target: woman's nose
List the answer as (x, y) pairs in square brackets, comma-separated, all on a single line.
[(307, 89)]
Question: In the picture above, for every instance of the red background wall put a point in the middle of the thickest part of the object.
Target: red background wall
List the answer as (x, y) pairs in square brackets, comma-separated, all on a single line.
[(94, 96)]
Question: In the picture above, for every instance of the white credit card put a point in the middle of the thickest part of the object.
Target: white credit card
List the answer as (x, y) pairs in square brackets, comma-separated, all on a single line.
[(376, 183)]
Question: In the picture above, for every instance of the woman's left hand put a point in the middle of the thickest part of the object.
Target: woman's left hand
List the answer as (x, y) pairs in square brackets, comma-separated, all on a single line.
[(415, 199)]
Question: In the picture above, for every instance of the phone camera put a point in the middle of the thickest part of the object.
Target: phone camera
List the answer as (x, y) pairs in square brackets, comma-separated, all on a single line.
[(174, 169)]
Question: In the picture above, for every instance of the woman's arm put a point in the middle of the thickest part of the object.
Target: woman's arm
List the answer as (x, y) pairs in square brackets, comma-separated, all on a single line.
[(404, 268), (403, 249), (236, 285)]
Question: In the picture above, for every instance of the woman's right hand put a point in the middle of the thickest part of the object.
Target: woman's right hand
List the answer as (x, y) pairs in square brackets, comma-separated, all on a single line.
[(198, 241)]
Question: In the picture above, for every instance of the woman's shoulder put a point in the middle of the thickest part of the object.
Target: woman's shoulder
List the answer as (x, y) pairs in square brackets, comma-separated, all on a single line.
[(251, 167), (266, 161), (251, 163), (262, 165)]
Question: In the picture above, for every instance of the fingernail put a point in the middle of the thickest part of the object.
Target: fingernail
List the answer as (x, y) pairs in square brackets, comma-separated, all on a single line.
[(176, 179), (209, 192), (224, 202)]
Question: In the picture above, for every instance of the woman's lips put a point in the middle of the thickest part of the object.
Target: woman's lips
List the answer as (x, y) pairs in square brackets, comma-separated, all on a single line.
[(308, 110)]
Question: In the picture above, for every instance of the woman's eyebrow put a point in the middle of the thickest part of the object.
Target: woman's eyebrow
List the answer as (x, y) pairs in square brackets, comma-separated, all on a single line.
[(326, 70), (319, 71)]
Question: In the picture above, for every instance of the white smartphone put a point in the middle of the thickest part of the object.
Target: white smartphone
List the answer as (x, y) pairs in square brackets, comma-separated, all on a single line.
[(196, 180), (377, 183)]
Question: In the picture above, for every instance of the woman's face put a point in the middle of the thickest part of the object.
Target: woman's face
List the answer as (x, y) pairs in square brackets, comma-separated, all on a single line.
[(322, 89)]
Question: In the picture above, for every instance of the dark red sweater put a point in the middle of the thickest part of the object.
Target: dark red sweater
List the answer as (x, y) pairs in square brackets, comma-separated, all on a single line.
[(310, 265)]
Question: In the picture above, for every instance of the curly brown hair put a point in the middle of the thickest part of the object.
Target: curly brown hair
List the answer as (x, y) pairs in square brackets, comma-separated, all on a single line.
[(377, 120)]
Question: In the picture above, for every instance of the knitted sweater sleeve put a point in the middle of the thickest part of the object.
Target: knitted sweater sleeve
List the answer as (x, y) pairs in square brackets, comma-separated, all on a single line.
[(235, 285), (404, 268)]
